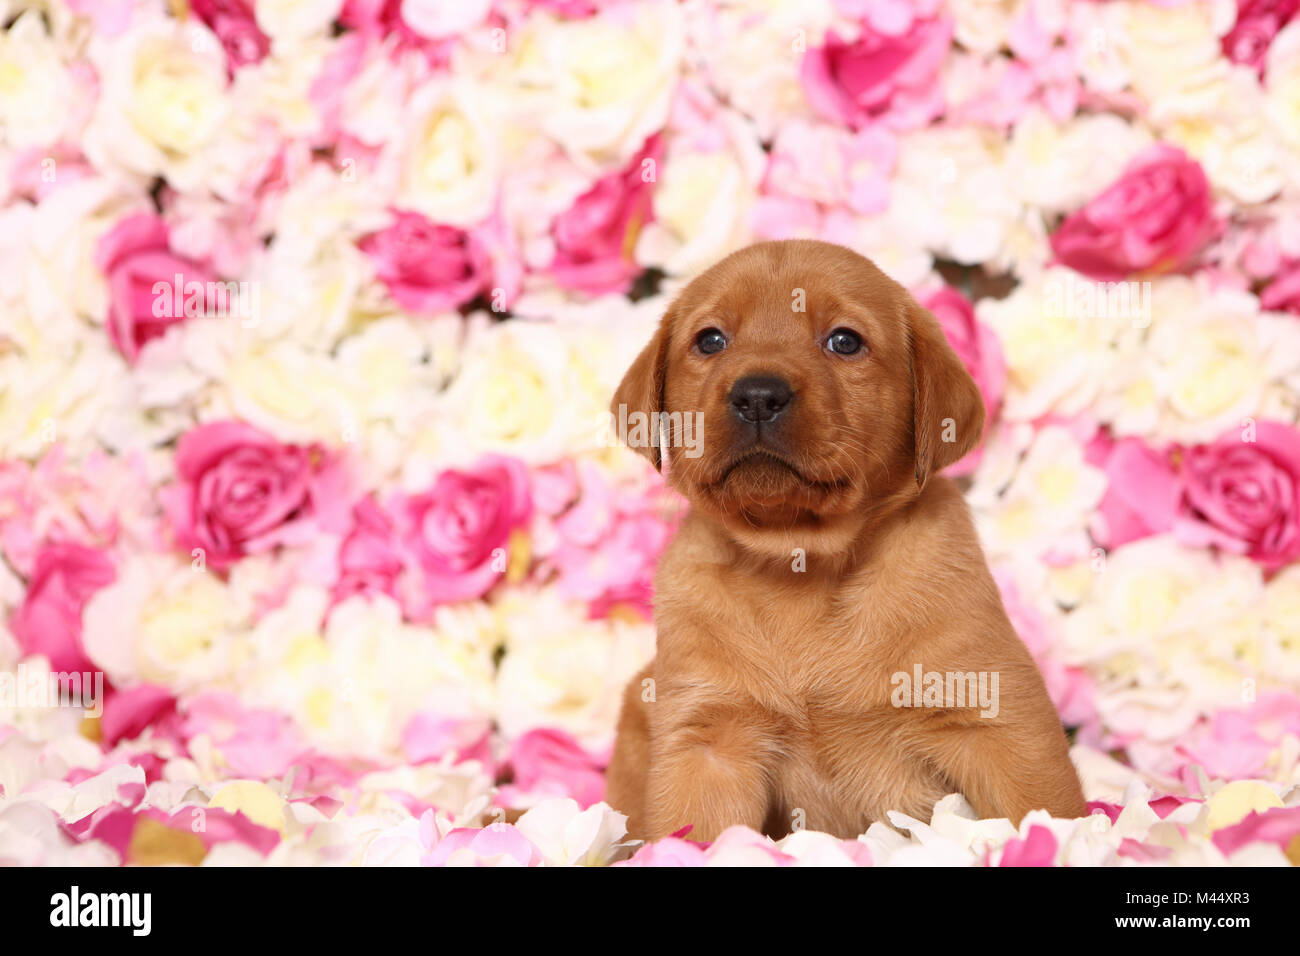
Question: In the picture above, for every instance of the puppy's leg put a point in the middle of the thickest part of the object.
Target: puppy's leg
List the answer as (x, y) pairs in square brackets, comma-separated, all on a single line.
[(625, 780), (710, 768), (1011, 764)]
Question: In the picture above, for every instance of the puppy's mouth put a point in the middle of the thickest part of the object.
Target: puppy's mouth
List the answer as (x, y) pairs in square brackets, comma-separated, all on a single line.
[(761, 470), (763, 463)]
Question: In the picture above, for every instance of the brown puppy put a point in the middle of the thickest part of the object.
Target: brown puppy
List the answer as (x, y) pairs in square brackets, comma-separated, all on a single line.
[(821, 559)]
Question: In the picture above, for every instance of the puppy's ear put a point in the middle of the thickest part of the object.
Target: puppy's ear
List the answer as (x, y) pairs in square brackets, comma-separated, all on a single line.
[(947, 408), (642, 391)]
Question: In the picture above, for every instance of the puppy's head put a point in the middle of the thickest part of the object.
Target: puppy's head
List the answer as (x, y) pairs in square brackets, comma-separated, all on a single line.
[(800, 390)]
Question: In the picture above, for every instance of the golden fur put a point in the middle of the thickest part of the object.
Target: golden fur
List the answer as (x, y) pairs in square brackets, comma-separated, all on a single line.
[(770, 701)]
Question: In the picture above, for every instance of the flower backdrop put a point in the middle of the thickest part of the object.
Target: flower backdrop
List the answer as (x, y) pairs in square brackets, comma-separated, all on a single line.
[(312, 311)]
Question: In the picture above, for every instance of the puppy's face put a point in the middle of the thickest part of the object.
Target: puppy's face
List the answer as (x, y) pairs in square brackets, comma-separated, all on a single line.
[(816, 387)]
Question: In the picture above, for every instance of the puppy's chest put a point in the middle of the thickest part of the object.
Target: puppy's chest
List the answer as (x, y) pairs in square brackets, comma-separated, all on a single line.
[(805, 654)]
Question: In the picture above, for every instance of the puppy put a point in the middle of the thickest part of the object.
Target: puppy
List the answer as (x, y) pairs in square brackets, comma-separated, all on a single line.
[(821, 563)]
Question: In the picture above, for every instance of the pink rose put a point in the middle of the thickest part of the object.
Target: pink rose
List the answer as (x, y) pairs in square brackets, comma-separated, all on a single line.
[(831, 166), (127, 713), (242, 491), (1258, 22), (879, 76), (568, 9), (1038, 848), (1069, 687), (383, 20), (370, 561), (1283, 293), (669, 851), (596, 236), (979, 350), (253, 743), (1152, 219), (1245, 496), (48, 622), (483, 846), (456, 534), (429, 736), (110, 17), (428, 267), (551, 763), (236, 27), (1142, 491), (149, 288)]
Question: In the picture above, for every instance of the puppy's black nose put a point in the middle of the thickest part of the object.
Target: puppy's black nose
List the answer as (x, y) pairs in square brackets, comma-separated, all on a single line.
[(760, 398)]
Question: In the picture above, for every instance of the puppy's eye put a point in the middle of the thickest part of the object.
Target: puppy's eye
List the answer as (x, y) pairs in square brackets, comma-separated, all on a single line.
[(844, 342), (710, 341)]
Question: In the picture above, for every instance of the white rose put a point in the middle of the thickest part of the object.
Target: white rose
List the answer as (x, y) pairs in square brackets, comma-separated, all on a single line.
[(55, 395)]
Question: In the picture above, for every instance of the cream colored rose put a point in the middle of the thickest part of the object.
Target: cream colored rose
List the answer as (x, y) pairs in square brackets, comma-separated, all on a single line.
[(983, 26), (563, 670), (292, 20), (1210, 366), (751, 51), (536, 389), (1170, 633), (894, 240), (162, 101), (354, 685), (1282, 85), (436, 18), (448, 163), (295, 393), (166, 621), (1058, 348), (598, 86), (703, 199), (55, 394), (278, 88), (53, 251), (37, 93), (954, 186), (1046, 507), (1229, 135), (1058, 167), (1281, 614), (1172, 54)]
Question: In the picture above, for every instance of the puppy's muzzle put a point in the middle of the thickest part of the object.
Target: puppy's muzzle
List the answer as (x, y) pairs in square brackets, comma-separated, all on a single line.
[(760, 399)]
